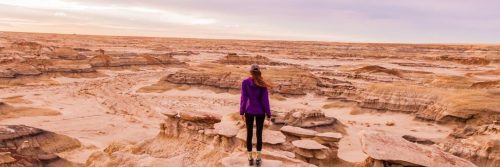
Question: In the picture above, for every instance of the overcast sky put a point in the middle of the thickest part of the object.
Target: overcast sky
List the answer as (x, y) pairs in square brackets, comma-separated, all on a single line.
[(418, 21)]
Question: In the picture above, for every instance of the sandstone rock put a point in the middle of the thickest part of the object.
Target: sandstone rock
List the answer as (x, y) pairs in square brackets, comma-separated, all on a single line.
[(304, 118), (69, 67), (418, 140), (294, 82), (479, 144), (26, 146), (198, 116), (268, 137), (170, 113), (310, 149), (396, 99), (68, 54), (396, 150), (308, 144), (131, 60), (226, 129), (329, 136), (31, 48), (299, 132), (233, 58), (240, 161), (13, 70)]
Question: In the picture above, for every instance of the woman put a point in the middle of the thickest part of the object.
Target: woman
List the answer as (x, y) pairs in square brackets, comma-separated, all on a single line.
[(254, 105)]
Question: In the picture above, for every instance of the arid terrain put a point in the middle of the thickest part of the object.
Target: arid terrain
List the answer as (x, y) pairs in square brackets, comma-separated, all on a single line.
[(79, 100)]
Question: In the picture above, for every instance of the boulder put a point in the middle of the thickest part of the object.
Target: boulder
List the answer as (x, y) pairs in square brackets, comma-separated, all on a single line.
[(226, 129), (298, 131), (396, 150)]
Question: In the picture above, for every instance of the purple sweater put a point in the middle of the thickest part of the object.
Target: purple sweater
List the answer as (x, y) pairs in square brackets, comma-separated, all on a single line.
[(254, 99)]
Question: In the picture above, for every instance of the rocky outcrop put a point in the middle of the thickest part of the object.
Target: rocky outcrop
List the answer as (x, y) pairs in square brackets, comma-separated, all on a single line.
[(465, 60), (13, 70), (486, 84), (67, 53), (133, 60), (235, 59), (478, 144), (378, 69), (396, 99), (26, 146), (285, 81), (387, 150), (304, 118), (28, 47)]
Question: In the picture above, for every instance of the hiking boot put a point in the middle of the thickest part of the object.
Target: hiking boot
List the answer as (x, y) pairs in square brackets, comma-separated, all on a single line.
[(258, 162)]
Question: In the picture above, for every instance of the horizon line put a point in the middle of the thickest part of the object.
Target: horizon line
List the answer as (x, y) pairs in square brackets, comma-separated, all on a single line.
[(264, 39)]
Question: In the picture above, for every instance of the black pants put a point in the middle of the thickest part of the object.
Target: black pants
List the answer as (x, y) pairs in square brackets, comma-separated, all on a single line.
[(260, 124)]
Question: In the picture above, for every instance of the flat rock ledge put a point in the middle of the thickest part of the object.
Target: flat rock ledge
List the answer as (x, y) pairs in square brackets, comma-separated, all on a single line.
[(396, 150), (298, 131)]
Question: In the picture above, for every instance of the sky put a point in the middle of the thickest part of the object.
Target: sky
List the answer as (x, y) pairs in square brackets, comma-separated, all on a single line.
[(395, 21)]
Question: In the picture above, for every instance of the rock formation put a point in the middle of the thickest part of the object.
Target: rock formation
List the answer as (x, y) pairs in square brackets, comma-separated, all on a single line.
[(235, 59), (479, 144), (404, 153), (131, 60), (26, 146), (304, 118)]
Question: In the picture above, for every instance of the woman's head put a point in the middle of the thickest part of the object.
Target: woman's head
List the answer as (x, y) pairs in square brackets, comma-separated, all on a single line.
[(257, 76)]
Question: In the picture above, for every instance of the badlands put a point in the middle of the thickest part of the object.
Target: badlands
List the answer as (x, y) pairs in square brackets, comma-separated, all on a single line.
[(94, 101)]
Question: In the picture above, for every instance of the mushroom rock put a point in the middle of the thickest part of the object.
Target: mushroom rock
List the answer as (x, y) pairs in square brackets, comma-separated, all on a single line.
[(268, 137), (396, 150), (226, 130), (310, 150), (170, 113), (299, 132)]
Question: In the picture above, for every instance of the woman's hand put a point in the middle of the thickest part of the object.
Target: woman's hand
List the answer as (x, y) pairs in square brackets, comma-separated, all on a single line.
[(268, 122)]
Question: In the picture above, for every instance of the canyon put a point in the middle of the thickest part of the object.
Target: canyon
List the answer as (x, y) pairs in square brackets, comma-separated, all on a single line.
[(95, 101)]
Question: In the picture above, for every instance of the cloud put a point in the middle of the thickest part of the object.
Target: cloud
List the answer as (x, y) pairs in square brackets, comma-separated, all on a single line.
[(429, 21)]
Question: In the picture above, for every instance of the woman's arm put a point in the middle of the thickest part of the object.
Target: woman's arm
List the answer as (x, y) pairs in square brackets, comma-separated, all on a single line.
[(243, 99), (265, 103)]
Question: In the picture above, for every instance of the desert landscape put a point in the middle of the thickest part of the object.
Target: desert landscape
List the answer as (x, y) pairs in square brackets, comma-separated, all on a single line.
[(109, 101)]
